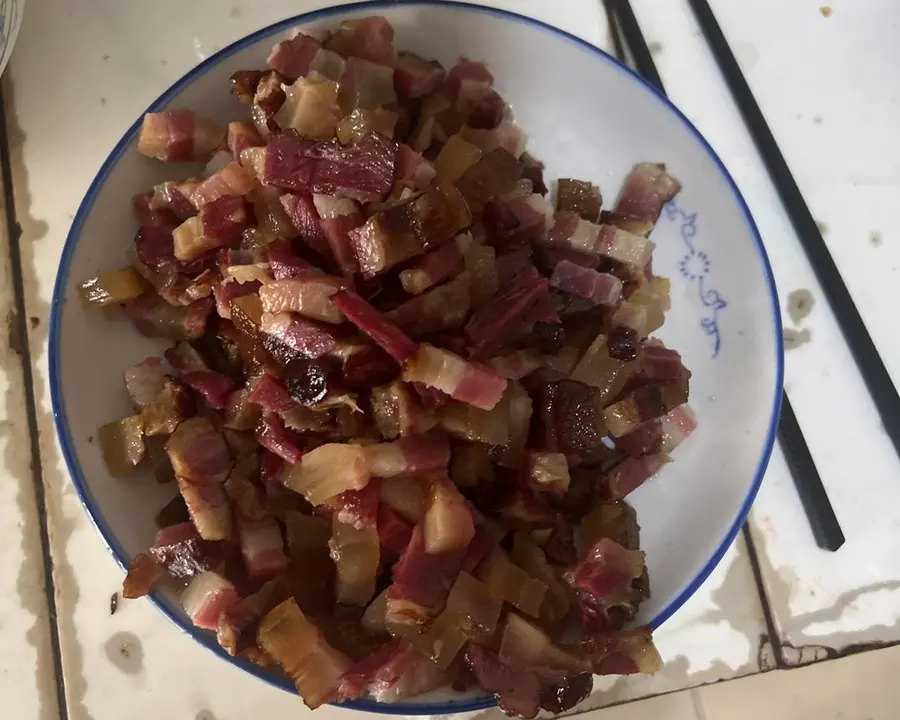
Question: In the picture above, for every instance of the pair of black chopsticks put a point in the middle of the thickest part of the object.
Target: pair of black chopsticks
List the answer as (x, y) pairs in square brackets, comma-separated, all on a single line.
[(822, 520)]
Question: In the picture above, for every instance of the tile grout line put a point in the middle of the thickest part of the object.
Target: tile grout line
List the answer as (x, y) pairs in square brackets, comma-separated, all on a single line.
[(21, 329), (756, 569)]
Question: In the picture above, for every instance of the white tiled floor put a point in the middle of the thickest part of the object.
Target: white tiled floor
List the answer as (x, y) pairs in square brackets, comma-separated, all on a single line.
[(134, 664)]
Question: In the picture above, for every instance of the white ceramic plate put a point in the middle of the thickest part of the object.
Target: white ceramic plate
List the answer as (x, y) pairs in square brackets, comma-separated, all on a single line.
[(587, 117)]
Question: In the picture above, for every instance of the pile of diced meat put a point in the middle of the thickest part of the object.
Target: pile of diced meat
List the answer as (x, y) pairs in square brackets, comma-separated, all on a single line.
[(407, 394)]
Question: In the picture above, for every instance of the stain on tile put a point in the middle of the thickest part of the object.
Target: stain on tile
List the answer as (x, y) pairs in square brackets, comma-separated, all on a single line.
[(804, 655), (113, 603), (777, 583), (14, 339), (826, 11), (236, 11), (205, 715), (34, 321), (105, 58), (125, 652), (875, 238), (818, 120), (30, 578), (823, 226), (782, 584), (64, 581), (30, 582), (655, 47), (800, 624), (738, 582), (800, 303), (795, 338), (60, 527)]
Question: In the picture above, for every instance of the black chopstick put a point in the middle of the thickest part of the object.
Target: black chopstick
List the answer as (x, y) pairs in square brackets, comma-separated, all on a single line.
[(618, 46), (820, 514), (822, 521), (640, 52), (874, 373)]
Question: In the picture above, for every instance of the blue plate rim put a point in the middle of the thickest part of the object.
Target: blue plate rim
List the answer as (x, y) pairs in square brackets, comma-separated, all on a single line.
[(58, 405)]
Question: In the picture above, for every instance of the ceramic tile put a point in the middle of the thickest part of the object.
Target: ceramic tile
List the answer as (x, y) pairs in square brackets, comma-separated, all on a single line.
[(821, 601), (27, 679), (859, 687)]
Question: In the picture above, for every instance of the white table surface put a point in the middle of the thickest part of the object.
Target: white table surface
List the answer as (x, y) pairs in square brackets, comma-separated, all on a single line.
[(70, 93)]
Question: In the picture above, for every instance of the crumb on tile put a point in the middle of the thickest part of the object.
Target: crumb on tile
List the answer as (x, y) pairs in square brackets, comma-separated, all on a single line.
[(655, 47), (105, 58), (795, 338), (818, 119), (103, 101), (825, 10), (236, 11), (799, 304), (822, 225), (90, 439), (875, 238), (35, 321), (113, 603)]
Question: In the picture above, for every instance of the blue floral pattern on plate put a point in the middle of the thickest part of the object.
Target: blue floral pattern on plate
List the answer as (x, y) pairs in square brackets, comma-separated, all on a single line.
[(695, 267)]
